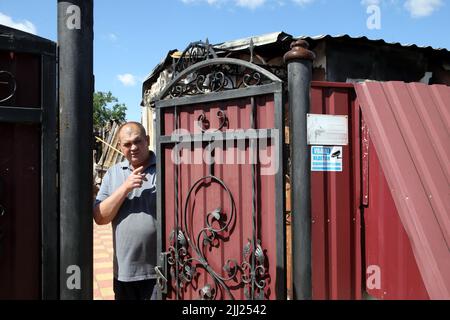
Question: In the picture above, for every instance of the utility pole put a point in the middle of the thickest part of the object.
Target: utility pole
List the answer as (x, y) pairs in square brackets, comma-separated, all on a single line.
[(76, 86), (299, 60)]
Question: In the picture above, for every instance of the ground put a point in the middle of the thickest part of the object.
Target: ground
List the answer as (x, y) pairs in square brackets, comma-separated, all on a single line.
[(103, 263)]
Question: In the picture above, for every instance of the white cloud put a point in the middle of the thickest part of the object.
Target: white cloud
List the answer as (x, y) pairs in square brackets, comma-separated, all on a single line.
[(113, 37), (252, 4), (25, 25), (422, 8), (303, 2), (210, 2), (367, 3), (127, 79)]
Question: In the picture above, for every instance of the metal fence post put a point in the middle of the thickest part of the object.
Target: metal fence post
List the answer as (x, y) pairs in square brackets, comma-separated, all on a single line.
[(75, 42), (299, 61)]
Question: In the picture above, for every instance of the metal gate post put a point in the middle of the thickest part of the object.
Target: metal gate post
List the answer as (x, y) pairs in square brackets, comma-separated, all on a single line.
[(299, 60), (75, 42)]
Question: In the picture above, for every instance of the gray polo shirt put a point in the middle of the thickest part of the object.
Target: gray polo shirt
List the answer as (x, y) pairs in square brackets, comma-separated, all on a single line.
[(134, 227)]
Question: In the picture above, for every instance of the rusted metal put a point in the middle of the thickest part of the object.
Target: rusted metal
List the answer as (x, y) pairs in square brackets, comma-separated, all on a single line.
[(365, 146), (409, 129), (299, 50)]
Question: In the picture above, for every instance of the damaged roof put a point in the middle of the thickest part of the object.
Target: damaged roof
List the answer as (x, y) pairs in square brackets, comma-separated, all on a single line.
[(279, 38)]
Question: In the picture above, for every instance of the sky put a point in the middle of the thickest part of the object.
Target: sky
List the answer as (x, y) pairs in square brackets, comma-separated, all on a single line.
[(133, 36)]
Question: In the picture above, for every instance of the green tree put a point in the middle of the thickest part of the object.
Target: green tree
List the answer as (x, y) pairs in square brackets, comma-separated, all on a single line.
[(107, 108)]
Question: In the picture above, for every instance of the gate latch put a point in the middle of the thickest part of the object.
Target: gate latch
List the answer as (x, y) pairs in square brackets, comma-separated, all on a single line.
[(161, 272)]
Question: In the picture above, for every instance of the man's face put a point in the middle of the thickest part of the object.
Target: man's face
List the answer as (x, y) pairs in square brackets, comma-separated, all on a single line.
[(134, 145)]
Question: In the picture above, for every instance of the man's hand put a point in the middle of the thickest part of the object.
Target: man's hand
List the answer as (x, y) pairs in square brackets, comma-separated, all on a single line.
[(106, 210), (135, 179)]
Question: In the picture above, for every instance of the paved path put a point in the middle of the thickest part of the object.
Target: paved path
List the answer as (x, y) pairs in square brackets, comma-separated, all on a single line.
[(103, 263)]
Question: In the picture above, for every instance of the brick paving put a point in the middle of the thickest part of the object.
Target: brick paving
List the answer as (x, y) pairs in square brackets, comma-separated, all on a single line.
[(103, 262)]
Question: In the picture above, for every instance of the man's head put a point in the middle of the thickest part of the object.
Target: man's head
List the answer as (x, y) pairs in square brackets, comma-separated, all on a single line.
[(134, 143)]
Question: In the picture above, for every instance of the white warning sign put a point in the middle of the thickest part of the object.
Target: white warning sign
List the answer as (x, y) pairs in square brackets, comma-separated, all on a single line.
[(326, 158)]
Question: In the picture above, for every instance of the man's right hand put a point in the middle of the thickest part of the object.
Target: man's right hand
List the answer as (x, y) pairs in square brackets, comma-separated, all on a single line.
[(135, 179), (106, 210)]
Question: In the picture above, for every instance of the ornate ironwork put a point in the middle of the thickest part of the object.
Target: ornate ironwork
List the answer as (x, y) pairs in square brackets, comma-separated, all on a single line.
[(216, 78), (217, 75), (194, 53), (11, 82), (204, 124), (280, 72), (254, 273), (190, 255)]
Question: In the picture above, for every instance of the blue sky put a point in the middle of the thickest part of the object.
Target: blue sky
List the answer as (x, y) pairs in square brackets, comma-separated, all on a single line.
[(132, 36)]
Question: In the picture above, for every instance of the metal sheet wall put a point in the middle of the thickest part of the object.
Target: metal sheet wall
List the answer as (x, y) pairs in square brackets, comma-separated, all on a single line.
[(348, 248), (335, 199), (408, 125), (387, 247)]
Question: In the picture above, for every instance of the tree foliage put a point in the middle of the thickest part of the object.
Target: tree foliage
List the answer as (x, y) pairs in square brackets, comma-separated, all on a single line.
[(107, 108)]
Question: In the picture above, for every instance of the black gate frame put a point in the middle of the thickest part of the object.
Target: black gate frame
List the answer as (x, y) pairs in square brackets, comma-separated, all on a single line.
[(22, 42), (168, 99)]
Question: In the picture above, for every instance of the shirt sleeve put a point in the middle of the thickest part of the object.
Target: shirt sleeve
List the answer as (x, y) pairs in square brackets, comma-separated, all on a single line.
[(105, 188)]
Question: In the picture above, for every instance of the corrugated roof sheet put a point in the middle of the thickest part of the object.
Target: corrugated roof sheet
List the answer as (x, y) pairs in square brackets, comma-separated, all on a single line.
[(265, 39), (280, 36), (410, 127), (363, 38), (244, 43)]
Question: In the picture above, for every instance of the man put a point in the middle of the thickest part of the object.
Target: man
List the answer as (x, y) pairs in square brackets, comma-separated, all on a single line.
[(127, 198)]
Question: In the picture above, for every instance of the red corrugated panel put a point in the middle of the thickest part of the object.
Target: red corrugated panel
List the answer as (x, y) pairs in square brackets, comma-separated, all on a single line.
[(335, 200), (409, 126), (391, 269), (210, 195)]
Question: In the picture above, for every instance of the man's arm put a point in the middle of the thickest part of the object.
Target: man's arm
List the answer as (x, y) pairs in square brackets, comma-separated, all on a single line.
[(106, 211)]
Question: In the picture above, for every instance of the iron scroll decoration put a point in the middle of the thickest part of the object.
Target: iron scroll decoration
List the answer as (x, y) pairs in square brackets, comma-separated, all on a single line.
[(204, 124), (194, 53), (185, 265), (12, 81), (216, 75)]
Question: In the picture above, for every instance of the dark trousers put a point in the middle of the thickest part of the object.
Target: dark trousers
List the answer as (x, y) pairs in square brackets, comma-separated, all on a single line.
[(135, 290)]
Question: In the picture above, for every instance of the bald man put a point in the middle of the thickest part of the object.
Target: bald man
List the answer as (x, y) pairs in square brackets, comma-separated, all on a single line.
[(127, 199)]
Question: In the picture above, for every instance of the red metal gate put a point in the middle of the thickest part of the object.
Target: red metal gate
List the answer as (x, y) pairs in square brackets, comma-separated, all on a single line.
[(28, 196), (222, 232)]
